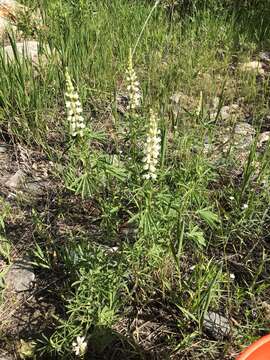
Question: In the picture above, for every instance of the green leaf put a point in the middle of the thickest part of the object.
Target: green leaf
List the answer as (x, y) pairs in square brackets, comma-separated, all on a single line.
[(197, 235), (209, 217)]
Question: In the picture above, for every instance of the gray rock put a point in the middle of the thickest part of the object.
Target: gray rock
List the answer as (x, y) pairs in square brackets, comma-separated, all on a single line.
[(265, 56), (181, 103), (263, 138), (252, 66), (20, 276), (17, 180), (37, 188), (216, 325), (243, 135), (28, 50), (227, 112)]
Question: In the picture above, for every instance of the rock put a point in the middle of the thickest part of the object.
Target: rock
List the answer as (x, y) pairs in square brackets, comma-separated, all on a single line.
[(27, 49), (236, 140), (263, 138), (17, 180), (8, 10), (20, 276), (252, 66), (243, 135), (4, 157), (215, 102), (227, 112), (266, 310), (216, 325), (9, 4), (37, 188), (181, 103), (265, 56)]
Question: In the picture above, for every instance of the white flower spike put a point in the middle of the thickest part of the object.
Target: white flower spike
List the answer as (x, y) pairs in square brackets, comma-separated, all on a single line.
[(152, 148), (133, 86), (74, 109), (79, 346)]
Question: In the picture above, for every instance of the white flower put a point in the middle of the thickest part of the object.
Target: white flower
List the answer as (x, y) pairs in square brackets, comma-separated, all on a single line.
[(133, 86), (152, 148), (79, 346), (245, 206), (74, 109)]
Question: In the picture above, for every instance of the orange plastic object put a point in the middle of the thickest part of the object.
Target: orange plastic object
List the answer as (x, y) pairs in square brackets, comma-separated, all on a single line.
[(259, 350)]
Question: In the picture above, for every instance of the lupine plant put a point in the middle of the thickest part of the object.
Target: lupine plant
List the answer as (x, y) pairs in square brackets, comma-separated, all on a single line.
[(153, 226), (74, 109), (152, 148)]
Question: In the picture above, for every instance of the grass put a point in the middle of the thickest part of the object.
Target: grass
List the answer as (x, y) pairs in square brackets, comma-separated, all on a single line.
[(134, 265)]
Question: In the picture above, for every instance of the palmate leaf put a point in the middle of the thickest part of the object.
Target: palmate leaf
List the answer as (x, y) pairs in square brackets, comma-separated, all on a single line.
[(84, 185), (196, 234), (114, 171), (209, 217)]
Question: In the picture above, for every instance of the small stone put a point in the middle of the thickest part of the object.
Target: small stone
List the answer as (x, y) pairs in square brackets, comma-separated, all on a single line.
[(227, 112), (265, 56), (255, 66), (215, 102), (243, 135), (263, 138), (16, 181), (37, 188), (20, 276), (181, 103), (266, 309), (216, 325)]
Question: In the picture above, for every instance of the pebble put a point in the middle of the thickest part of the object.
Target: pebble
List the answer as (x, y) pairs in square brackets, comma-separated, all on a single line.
[(255, 66), (263, 138), (227, 112), (37, 188), (216, 325), (16, 181), (265, 56), (20, 276)]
